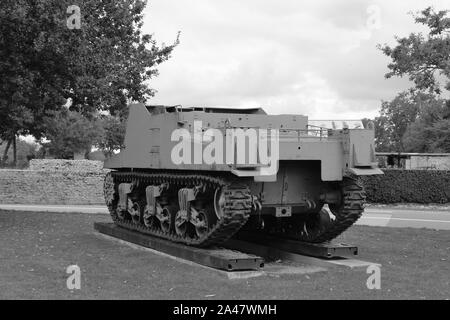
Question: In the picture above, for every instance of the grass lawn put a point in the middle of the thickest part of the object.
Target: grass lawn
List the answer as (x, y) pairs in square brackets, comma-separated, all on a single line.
[(37, 248)]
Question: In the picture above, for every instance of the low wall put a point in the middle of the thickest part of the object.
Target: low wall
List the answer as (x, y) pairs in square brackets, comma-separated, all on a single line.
[(66, 165), (54, 181), (81, 182), (429, 162), (51, 187)]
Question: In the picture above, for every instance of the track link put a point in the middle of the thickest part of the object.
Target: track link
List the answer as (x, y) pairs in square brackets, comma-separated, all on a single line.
[(238, 202)]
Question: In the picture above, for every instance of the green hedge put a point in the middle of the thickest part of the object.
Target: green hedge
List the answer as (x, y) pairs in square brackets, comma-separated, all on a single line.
[(414, 186)]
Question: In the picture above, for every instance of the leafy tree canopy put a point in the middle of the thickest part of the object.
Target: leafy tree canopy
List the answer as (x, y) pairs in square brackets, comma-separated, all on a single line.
[(424, 58), (413, 121), (44, 65), (113, 134), (430, 131), (418, 120), (70, 132), (25, 152)]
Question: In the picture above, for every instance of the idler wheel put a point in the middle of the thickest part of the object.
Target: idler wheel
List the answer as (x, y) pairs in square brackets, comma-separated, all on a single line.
[(200, 221), (150, 217), (135, 210), (123, 215), (181, 223), (165, 219)]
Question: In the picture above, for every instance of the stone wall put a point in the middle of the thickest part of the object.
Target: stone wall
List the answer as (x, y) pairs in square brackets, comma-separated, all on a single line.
[(429, 162), (419, 161), (66, 165), (54, 182), (80, 182)]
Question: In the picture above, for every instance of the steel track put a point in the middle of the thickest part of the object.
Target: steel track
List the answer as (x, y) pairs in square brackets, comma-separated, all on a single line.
[(237, 208), (238, 203)]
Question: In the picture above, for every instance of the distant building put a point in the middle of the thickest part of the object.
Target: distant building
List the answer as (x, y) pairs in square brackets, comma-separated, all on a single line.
[(414, 161)]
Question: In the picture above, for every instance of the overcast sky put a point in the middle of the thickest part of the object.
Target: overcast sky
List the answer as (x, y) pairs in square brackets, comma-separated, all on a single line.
[(315, 57)]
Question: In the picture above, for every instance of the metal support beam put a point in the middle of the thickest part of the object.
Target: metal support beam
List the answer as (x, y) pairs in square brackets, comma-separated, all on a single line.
[(321, 250), (224, 259)]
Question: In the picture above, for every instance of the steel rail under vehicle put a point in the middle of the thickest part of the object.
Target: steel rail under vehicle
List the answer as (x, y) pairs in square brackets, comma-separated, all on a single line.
[(246, 252)]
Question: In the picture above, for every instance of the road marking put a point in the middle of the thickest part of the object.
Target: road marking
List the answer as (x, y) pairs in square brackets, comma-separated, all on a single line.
[(404, 219), (409, 211), (378, 210), (382, 221)]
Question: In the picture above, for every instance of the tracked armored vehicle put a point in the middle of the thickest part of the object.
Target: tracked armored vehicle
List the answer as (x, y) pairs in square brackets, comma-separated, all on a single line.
[(174, 180)]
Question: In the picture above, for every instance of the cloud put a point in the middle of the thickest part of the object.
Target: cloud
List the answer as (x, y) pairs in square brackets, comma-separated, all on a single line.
[(313, 57)]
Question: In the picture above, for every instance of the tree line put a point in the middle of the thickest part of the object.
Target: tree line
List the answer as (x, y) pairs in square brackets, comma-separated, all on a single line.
[(72, 86), (418, 120)]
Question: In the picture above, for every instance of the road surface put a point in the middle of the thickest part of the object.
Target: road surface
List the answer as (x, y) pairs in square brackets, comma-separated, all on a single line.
[(387, 217), (412, 218)]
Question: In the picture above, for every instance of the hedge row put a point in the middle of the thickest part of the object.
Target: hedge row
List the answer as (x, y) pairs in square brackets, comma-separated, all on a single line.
[(414, 186)]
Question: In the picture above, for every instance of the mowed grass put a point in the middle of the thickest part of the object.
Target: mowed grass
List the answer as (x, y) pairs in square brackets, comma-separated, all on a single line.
[(38, 247)]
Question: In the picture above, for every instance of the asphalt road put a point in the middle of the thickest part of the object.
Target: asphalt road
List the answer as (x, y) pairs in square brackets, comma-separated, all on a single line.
[(388, 217), (432, 219)]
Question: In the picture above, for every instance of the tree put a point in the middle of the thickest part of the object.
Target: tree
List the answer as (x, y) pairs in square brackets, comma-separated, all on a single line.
[(367, 123), (441, 136), (113, 134), (25, 152), (26, 72), (430, 132), (70, 132), (395, 116), (412, 122), (113, 60), (423, 58), (418, 120), (101, 66), (382, 139)]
